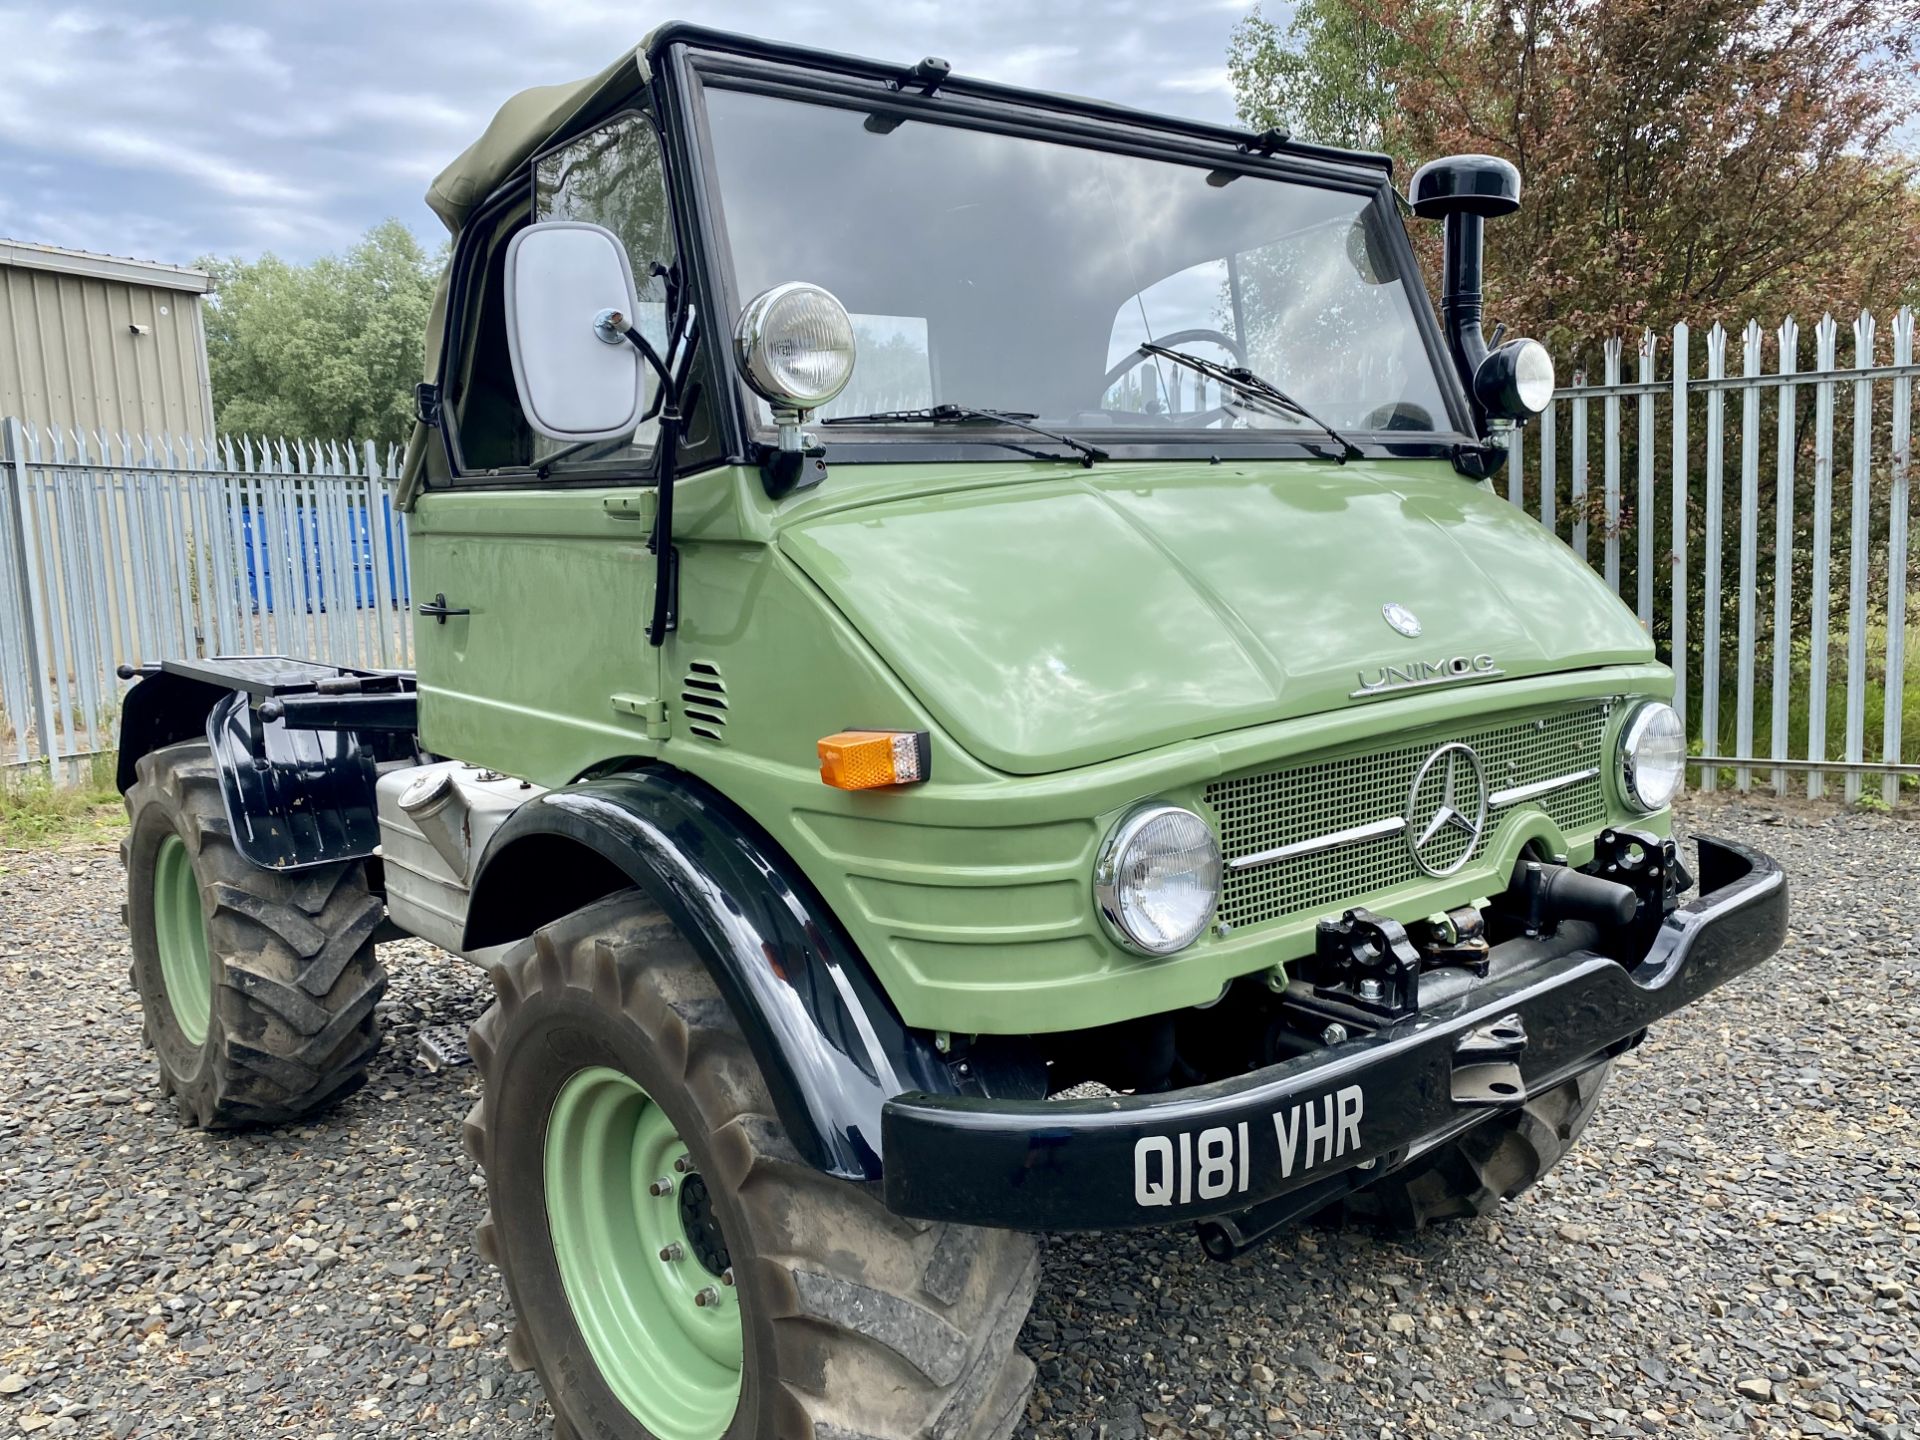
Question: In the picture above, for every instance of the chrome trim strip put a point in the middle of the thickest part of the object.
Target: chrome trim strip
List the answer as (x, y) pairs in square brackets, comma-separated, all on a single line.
[(1400, 687), (1372, 830), (1538, 788)]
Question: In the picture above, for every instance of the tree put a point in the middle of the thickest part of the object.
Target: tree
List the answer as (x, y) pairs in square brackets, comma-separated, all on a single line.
[(1682, 159), (327, 350), (1329, 77)]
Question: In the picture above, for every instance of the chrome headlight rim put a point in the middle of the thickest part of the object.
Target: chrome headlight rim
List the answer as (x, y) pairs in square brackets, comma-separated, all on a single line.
[(1632, 734), (1108, 868), (1515, 381), (750, 352)]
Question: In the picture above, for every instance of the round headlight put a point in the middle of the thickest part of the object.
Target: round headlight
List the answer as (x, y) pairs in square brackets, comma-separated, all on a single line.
[(795, 345), (1653, 756), (1515, 381), (1157, 879)]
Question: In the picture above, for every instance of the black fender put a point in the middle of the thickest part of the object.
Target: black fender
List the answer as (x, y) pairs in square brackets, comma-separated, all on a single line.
[(297, 759), (161, 709), (295, 797), (829, 1042)]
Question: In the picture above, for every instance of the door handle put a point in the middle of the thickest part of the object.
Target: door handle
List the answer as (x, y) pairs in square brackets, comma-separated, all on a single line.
[(439, 609)]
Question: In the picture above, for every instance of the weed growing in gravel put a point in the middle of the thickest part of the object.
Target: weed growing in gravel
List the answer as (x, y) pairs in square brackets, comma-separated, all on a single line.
[(34, 812)]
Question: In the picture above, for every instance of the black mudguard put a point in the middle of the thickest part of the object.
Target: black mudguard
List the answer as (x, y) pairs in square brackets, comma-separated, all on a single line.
[(294, 797), (297, 754), (162, 709), (829, 1042)]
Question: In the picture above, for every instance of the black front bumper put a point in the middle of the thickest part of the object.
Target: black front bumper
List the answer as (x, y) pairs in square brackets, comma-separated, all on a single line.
[(1318, 1125)]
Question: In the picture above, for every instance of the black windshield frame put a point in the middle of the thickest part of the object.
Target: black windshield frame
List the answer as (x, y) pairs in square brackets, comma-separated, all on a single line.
[(694, 60)]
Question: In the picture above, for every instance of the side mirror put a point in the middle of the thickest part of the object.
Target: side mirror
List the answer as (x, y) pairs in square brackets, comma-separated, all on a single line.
[(569, 298)]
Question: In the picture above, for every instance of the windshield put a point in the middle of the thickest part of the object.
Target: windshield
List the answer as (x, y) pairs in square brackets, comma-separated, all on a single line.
[(1023, 275)]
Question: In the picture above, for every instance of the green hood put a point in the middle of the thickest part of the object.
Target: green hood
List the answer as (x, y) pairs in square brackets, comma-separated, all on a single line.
[(1060, 622)]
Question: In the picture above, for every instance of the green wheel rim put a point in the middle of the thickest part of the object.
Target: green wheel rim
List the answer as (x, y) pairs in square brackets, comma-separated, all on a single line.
[(180, 931), (673, 1361)]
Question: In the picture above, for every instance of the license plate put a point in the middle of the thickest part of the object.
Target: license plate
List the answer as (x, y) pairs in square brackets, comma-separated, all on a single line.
[(1220, 1160)]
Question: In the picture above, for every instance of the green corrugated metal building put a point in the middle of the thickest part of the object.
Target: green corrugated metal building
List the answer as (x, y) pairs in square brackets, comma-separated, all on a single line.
[(95, 342)]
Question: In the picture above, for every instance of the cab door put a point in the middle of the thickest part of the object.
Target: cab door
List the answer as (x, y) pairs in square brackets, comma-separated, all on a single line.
[(532, 577)]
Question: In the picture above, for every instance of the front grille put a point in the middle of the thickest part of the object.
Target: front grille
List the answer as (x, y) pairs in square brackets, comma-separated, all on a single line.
[(1274, 808)]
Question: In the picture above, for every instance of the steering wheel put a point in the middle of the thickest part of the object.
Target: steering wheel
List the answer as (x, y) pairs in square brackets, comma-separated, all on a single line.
[(1174, 342)]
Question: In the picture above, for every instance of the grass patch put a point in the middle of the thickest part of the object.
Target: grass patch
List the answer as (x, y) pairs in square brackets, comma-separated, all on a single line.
[(35, 813)]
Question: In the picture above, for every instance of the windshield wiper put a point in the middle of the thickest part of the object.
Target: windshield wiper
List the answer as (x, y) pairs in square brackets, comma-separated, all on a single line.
[(973, 414), (1246, 382)]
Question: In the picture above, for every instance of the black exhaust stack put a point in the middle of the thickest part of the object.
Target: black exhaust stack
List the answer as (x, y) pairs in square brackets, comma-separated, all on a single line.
[(1464, 191)]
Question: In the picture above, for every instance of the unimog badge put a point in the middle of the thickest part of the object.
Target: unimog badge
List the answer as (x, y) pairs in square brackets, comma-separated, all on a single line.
[(1420, 673)]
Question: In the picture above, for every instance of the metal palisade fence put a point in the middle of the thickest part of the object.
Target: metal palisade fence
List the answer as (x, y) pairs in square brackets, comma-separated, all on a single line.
[(1753, 509), (118, 550), (1758, 520)]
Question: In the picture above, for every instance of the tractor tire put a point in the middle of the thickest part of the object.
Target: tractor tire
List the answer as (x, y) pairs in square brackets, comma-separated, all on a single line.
[(676, 1268), (259, 987), (1471, 1174)]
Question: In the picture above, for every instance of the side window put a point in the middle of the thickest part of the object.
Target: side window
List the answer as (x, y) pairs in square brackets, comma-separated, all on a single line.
[(611, 176)]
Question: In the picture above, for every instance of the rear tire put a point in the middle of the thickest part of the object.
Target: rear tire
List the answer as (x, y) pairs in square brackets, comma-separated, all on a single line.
[(854, 1324), (1473, 1173), (259, 987)]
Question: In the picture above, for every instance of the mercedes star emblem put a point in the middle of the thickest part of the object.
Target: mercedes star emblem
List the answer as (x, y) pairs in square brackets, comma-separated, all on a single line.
[(1402, 619), (1446, 809)]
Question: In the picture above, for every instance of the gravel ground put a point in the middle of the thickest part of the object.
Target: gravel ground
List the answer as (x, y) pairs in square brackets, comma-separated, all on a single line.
[(1735, 1248)]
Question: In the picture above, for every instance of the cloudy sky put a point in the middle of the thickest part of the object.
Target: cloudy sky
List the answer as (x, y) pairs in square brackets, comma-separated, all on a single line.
[(169, 129)]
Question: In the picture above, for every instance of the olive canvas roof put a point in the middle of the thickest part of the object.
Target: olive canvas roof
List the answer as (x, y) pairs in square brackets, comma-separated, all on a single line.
[(525, 125)]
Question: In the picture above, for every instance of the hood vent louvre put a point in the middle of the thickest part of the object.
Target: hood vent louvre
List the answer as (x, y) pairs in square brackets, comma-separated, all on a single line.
[(703, 695)]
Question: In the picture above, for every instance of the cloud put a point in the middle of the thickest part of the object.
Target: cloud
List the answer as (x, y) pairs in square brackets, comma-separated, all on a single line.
[(248, 50), (186, 127), (1213, 80), (128, 148)]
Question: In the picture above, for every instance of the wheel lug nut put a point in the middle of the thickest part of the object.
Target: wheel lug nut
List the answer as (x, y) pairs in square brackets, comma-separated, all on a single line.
[(662, 1186), (675, 1251), (684, 1165), (708, 1296), (726, 1277)]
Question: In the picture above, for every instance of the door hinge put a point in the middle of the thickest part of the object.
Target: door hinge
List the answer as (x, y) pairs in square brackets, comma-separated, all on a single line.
[(653, 712)]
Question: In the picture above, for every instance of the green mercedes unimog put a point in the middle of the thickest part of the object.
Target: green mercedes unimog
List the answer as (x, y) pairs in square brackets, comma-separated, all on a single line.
[(974, 684)]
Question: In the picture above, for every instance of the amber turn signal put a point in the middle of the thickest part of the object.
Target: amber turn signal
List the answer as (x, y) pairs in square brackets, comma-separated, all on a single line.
[(875, 759)]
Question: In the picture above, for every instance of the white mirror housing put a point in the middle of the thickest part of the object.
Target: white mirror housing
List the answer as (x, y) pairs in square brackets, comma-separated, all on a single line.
[(562, 276)]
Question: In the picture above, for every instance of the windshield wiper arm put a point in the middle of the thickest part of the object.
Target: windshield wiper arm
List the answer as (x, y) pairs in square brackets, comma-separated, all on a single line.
[(1247, 383), (973, 414)]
